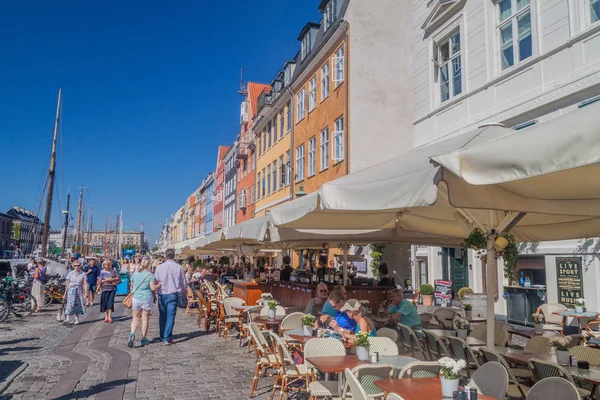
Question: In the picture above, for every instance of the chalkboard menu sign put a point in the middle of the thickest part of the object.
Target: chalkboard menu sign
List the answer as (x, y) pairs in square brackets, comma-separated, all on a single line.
[(442, 295), (570, 283)]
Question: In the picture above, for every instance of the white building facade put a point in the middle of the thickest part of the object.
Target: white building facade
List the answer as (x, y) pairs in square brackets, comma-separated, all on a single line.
[(515, 62)]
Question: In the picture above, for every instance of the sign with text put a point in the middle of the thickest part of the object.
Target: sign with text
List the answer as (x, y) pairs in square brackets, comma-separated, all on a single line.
[(570, 282), (442, 293)]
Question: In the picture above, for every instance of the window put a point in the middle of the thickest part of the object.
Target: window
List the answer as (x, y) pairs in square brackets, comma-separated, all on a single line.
[(252, 195), (289, 116), (338, 66), (324, 149), (288, 165), (300, 103), (258, 196), (268, 179), (325, 81), (274, 175), (448, 62), (264, 140), (275, 130), (282, 173), (514, 31), (312, 156), (305, 45), (594, 9), (312, 94), (269, 127), (330, 13), (281, 129), (338, 140), (300, 163), (263, 183)]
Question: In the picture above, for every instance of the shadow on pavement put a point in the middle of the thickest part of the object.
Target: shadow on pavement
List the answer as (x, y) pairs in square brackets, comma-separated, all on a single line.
[(15, 341), (96, 389), (16, 349)]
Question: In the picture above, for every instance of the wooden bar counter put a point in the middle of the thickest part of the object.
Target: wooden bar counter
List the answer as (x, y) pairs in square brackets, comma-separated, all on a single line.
[(293, 294)]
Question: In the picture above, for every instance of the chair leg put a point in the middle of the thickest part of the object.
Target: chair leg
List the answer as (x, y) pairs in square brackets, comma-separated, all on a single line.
[(275, 386), (255, 379)]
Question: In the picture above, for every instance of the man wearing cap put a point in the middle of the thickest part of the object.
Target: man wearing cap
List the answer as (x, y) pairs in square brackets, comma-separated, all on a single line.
[(170, 278)]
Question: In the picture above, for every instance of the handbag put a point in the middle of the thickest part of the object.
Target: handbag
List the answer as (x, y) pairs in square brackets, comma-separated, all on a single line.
[(182, 300), (128, 300)]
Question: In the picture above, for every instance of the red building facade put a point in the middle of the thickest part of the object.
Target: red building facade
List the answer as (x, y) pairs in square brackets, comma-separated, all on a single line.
[(219, 196)]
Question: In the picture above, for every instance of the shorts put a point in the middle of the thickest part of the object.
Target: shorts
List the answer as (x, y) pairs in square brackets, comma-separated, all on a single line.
[(141, 305), (91, 287)]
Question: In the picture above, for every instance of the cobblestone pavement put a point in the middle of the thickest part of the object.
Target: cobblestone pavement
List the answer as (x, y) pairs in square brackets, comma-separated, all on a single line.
[(92, 361)]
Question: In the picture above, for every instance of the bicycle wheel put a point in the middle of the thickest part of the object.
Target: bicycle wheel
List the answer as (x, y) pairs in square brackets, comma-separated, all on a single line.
[(4, 309), (23, 304), (48, 298)]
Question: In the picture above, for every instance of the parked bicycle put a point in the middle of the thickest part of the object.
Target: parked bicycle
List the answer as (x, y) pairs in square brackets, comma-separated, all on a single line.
[(18, 299), (54, 290)]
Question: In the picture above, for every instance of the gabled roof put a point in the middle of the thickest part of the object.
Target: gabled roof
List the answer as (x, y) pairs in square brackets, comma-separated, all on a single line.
[(307, 27), (440, 11), (254, 90), (222, 152)]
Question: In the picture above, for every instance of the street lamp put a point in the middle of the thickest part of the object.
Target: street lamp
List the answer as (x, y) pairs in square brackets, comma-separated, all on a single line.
[(301, 192)]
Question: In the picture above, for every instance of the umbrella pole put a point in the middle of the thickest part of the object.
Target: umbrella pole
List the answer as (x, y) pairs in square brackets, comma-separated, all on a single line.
[(490, 277), (345, 266)]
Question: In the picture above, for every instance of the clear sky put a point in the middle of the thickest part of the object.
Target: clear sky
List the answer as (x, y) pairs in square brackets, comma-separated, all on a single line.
[(149, 92)]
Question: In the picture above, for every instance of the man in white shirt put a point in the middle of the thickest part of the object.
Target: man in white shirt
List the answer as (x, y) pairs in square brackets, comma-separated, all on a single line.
[(170, 278)]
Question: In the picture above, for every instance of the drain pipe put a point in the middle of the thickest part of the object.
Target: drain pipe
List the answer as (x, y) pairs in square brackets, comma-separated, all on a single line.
[(290, 167), (347, 105)]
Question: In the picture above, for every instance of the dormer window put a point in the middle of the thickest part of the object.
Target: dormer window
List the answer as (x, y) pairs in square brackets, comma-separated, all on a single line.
[(330, 14), (305, 45)]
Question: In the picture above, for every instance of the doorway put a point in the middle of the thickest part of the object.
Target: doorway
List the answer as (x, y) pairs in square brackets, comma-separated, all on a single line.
[(455, 268)]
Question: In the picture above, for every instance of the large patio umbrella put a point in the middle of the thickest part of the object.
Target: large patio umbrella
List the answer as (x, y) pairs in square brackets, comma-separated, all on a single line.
[(537, 183)]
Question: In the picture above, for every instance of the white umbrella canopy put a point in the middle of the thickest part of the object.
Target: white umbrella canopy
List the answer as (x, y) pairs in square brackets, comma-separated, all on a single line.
[(247, 233)]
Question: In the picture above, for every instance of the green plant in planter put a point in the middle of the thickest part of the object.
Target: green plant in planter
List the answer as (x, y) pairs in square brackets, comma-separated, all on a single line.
[(362, 339), (426, 289), (475, 241), (272, 304), (377, 257), (462, 291), (467, 307), (308, 320)]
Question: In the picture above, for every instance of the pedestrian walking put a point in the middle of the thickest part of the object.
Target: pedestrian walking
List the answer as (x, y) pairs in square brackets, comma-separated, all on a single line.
[(171, 278), (37, 288), (91, 271), (108, 281), (76, 286), (143, 299)]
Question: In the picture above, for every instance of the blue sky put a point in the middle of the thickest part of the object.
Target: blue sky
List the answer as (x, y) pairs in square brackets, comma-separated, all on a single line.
[(149, 92)]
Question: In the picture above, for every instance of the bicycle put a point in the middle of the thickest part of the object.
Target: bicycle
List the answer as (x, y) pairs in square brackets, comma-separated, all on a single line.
[(54, 290), (18, 298)]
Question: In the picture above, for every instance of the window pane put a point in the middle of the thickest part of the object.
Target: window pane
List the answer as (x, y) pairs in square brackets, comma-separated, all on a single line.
[(444, 83), (456, 44), (524, 23), (456, 76), (444, 52), (521, 4), (506, 45), (595, 10), (505, 7)]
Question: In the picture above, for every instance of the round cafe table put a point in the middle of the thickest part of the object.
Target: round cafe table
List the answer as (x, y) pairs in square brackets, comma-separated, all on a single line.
[(272, 322)]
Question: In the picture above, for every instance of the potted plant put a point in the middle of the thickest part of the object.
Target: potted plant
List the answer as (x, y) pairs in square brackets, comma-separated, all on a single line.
[(462, 326), (362, 346), (538, 322), (272, 304), (560, 345), (468, 310), (308, 323), (462, 291), (450, 375), (427, 294), (579, 303), (264, 298)]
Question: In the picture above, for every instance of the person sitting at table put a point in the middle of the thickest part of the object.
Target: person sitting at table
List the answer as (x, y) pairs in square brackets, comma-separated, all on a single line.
[(328, 308), (385, 279), (356, 311), (286, 272), (316, 303), (404, 312), (341, 320)]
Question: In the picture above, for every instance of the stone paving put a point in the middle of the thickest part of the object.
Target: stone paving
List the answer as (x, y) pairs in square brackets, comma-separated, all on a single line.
[(92, 361)]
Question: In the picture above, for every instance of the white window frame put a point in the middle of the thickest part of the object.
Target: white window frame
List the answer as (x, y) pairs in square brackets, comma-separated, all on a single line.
[(305, 45), (312, 156), (338, 141), (264, 192), (300, 105), (513, 19), (289, 116), (288, 167), (258, 176), (324, 159), (300, 163), (439, 64), (312, 93), (274, 176), (325, 81), (329, 14), (269, 180), (275, 138), (338, 65), (282, 172), (587, 13), (282, 126)]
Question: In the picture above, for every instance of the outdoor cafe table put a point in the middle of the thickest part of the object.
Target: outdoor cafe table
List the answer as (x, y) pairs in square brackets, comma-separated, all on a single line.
[(265, 320), (416, 389), (298, 335), (577, 316), (338, 364)]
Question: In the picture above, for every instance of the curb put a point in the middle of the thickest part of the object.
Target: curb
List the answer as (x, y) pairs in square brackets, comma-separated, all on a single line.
[(6, 383)]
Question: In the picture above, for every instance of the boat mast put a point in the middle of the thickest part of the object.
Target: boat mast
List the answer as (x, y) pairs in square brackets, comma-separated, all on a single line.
[(77, 233), (104, 241), (117, 244), (51, 174), (64, 238)]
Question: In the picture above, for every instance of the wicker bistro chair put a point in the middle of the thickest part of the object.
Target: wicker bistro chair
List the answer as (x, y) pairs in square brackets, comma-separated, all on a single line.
[(553, 321), (554, 388), (410, 341), (389, 333), (537, 345), (542, 370), (264, 359), (501, 335), (250, 314), (393, 396), (444, 317), (584, 353), (352, 382), (491, 379), (208, 311), (231, 316), (420, 369), (366, 374), (576, 340), (383, 345), (426, 319), (322, 347), (462, 351), (289, 373), (191, 300), (515, 389), (435, 346)]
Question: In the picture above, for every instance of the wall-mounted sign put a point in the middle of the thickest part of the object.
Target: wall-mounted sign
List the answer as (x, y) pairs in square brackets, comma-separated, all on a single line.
[(570, 282)]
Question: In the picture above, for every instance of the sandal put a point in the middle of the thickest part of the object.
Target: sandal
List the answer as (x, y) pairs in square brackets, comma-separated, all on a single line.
[(109, 321)]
